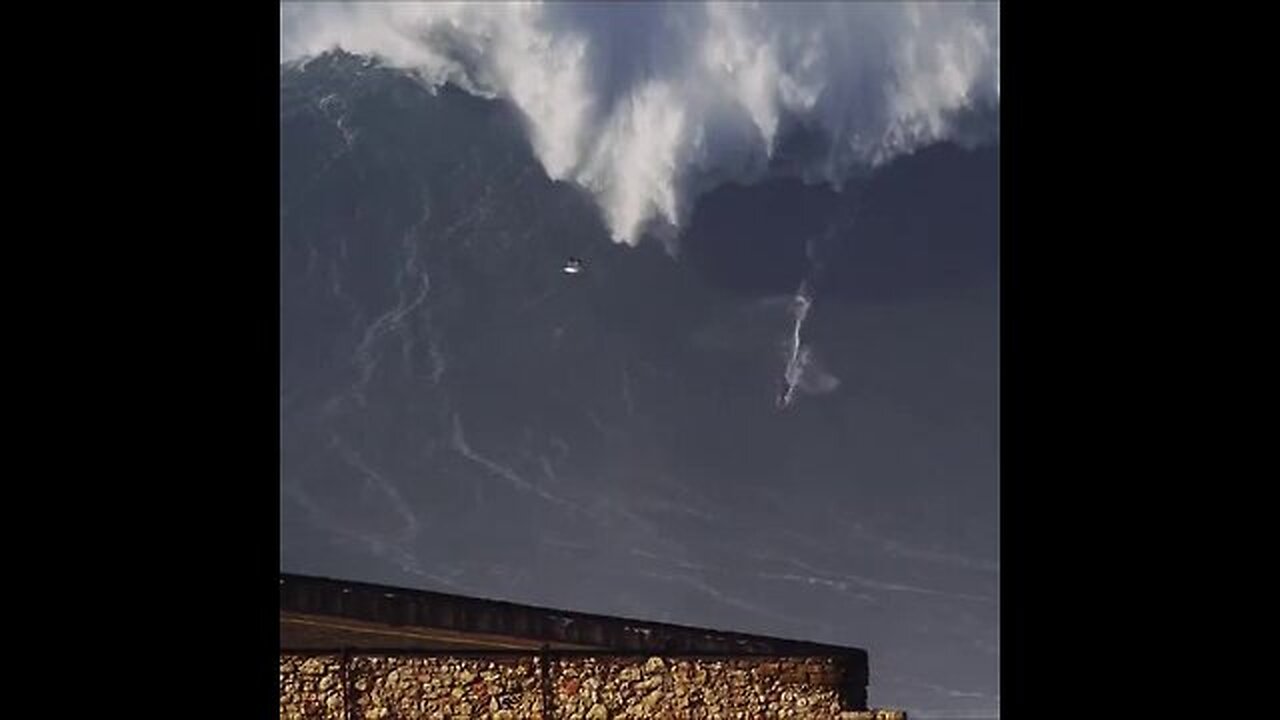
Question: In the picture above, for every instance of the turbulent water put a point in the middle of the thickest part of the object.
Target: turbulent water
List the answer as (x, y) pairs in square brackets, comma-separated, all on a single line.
[(783, 421), (647, 104)]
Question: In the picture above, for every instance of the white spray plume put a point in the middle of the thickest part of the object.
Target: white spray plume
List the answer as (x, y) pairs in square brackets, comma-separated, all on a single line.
[(803, 371), (648, 104)]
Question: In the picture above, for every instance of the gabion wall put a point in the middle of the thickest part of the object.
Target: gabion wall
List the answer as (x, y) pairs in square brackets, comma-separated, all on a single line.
[(592, 687)]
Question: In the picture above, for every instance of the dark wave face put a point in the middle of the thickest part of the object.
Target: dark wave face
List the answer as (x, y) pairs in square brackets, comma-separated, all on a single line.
[(782, 422)]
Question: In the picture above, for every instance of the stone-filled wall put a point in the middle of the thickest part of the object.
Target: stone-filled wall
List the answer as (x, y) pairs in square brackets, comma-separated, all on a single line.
[(580, 687), (501, 688), (311, 687)]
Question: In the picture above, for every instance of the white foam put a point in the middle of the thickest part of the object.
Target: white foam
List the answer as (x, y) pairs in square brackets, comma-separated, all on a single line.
[(646, 105)]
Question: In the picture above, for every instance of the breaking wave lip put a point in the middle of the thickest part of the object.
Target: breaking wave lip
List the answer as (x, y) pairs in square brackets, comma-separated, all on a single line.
[(648, 105)]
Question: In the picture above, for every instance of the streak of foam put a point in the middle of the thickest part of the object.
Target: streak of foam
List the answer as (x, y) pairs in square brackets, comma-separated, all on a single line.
[(380, 482), (845, 582), (393, 318), (463, 448), (390, 550), (714, 593)]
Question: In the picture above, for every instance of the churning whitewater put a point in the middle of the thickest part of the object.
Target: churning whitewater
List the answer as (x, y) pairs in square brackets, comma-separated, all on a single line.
[(648, 105)]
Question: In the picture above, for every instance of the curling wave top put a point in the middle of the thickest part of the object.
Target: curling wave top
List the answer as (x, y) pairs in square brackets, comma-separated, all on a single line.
[(648, 104)]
